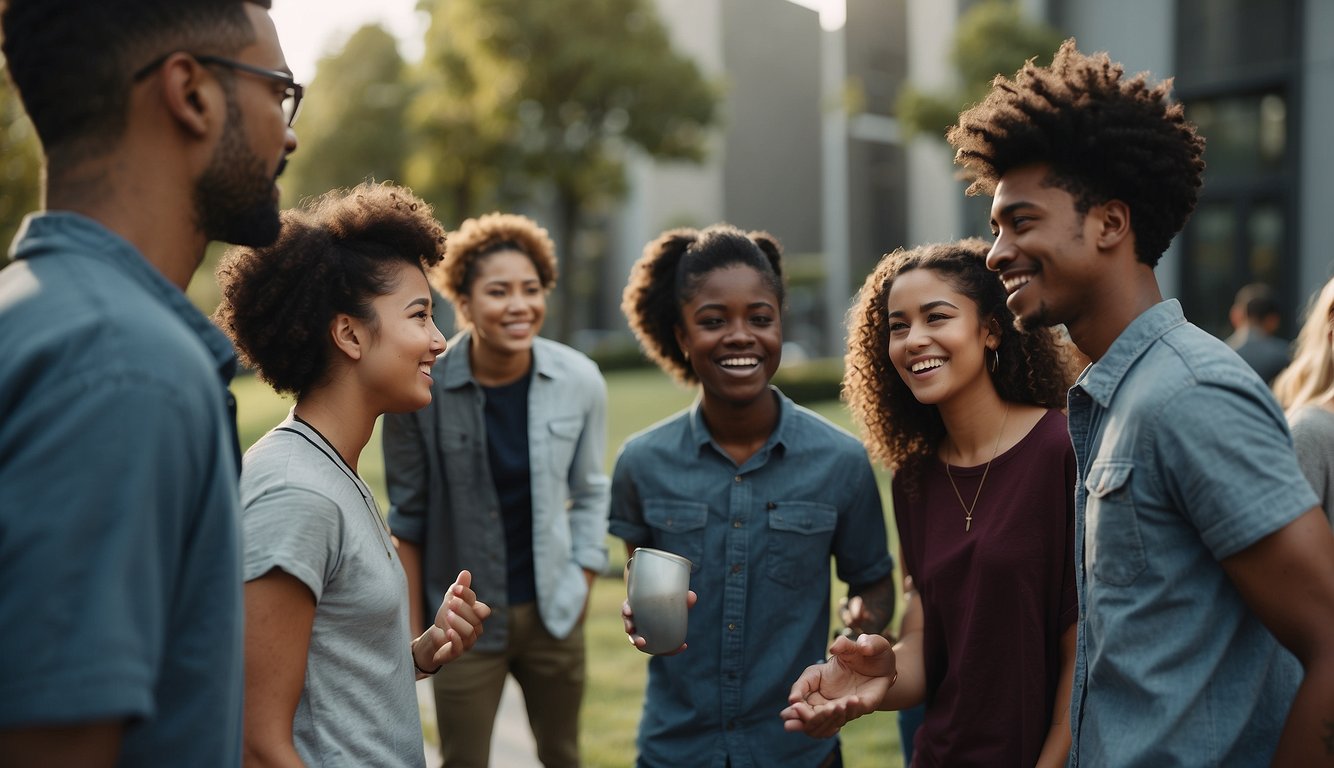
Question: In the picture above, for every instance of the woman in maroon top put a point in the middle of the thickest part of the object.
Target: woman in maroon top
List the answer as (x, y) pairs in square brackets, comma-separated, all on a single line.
[(964, 409)]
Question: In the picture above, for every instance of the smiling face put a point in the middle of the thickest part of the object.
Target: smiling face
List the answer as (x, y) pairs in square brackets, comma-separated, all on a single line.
[(395, 368), (937, 342), (505, 304), (732, 332), (1045, 250)]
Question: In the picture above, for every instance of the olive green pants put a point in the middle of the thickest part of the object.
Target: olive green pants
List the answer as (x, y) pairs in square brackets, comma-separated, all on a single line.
[(549, 671)]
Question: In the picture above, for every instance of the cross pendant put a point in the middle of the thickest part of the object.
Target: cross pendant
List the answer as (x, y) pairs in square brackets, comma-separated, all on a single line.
[(967, 523)]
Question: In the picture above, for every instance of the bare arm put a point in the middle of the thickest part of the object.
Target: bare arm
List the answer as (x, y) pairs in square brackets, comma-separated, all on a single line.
[(279, 615), (1287, 579), (860, 677), (86, 744), (410, 555), (871, 607), (910, 688), (1056, 748)]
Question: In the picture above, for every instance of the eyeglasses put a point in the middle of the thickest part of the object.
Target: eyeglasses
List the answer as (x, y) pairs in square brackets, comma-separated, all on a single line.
[(292, 92)]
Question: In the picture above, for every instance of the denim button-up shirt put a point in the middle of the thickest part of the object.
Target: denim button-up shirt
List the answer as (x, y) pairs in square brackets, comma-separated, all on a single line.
[(1184, 459), (760, 536), (442, 497), (118, 500)]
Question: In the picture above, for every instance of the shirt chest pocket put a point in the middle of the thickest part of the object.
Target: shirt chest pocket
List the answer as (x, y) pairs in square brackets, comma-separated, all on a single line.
[(1114, 549), (800, 538), (563, 436), (678, 527), (459, 453)]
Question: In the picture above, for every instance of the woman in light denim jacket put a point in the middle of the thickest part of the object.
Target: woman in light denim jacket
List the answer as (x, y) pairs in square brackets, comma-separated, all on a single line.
[(504, 473)]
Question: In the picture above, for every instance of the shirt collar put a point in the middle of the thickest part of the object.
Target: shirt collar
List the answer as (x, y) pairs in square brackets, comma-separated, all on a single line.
[(1101, 379), (53, 232), (701, 437), (459, 372)]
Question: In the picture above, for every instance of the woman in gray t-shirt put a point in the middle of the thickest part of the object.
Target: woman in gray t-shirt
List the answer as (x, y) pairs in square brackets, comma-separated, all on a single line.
[(1306, 390), (337, 312)]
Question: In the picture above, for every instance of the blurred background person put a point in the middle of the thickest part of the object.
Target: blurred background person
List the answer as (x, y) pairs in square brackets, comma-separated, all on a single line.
[(337, 313), (1305, 389), (503, 475), (1255, 319)]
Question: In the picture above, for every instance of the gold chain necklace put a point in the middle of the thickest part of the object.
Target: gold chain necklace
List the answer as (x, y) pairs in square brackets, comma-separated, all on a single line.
[(968, 509)]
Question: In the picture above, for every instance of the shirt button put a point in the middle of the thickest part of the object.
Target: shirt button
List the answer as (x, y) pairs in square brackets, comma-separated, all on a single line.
[(731, 627), (736, 568), (736, 523), (737, 478)]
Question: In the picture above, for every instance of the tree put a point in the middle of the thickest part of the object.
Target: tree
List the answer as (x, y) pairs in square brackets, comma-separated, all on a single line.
[(519, 96), (352, 127), (992, 38), (20, 165)]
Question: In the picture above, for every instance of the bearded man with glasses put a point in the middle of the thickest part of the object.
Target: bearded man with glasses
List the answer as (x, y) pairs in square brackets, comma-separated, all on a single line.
[(164, 125)]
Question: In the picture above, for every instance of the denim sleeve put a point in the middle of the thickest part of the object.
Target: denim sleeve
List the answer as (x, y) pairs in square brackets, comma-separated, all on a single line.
[(861, 544), (588, 481), (627, 510), (1226, 457), (98, 484), (406, 474)]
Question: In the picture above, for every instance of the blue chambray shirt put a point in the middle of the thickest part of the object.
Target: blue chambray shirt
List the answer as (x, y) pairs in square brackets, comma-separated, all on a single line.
[(118, 501), (760, 536), (1184, 459)]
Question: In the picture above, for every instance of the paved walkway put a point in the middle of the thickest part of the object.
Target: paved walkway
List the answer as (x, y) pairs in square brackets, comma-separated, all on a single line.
[(511, 741)]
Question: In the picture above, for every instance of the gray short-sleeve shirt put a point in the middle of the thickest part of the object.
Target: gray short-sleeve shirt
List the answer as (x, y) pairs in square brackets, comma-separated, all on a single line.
[(307, 513)]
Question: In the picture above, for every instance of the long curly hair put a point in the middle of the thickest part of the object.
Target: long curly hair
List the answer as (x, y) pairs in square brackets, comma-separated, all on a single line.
[(1310, 378), (1103, 136), (1033, 367), (333, 256), (477, 238), (669, 273)]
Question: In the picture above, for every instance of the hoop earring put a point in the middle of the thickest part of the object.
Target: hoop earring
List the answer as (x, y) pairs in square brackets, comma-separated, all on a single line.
[(995, 360)]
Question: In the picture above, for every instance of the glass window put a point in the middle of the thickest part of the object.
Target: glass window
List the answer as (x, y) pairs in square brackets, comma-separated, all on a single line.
[(1245, 134)]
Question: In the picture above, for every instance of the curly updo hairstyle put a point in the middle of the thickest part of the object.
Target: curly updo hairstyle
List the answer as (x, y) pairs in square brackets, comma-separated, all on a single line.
[(1104, 137), (334, 255), (1033, 367), (477, 238), (669, 273)]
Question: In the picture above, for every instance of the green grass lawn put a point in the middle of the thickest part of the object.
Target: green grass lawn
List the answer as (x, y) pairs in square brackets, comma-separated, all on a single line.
[(616, 672)]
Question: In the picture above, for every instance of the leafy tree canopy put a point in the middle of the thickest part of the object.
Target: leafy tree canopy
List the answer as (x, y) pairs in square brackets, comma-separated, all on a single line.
[(20, 164), (352, 122), (516, 94)]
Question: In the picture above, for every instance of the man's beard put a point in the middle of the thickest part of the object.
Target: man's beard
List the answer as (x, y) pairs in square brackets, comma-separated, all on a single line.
[(234, 197), (1035, 322)]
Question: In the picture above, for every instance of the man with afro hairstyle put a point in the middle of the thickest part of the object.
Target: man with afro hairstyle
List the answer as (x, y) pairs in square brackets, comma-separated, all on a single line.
[(1206, 564)]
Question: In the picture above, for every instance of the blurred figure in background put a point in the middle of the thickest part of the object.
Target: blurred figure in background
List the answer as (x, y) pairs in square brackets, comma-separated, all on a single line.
[(1305, 389), (1255, 319), (503, 475)]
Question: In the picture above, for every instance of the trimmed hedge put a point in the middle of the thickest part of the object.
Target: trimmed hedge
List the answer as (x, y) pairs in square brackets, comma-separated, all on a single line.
[(811, 381)]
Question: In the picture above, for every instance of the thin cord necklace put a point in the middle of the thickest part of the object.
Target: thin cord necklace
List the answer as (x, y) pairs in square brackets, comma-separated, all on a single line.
[(332, 455), (968, 508)]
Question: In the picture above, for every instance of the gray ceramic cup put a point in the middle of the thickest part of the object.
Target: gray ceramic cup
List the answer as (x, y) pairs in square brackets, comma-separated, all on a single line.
[(656, 586)]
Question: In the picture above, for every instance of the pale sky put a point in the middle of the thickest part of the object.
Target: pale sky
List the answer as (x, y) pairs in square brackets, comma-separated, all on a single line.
[(310, 28)]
